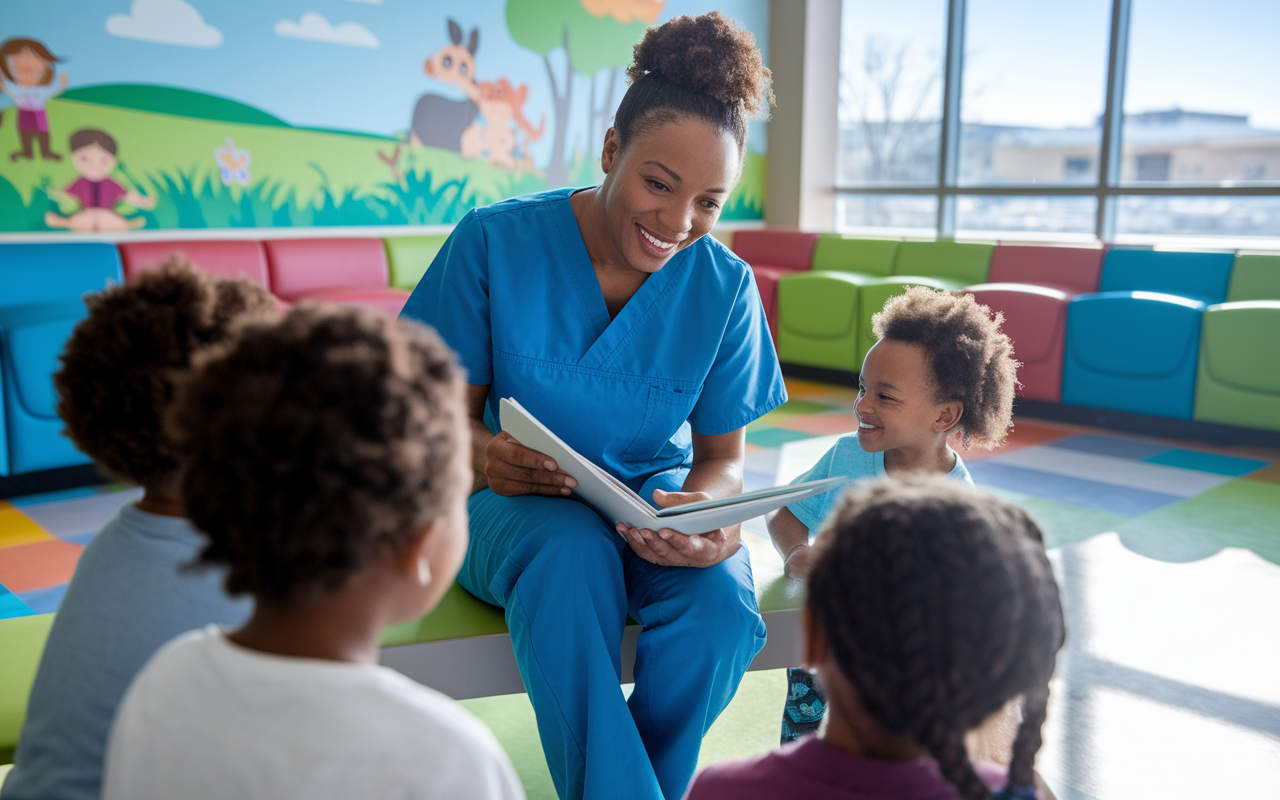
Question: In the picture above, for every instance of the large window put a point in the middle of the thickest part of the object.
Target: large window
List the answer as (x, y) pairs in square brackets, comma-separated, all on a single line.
[(1120, 119)]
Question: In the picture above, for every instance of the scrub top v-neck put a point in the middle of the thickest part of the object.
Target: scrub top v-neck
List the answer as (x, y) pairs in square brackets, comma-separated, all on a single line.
[(514, 292)]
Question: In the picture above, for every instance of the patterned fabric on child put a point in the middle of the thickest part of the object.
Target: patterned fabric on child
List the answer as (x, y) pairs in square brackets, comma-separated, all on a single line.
[(806, 704)]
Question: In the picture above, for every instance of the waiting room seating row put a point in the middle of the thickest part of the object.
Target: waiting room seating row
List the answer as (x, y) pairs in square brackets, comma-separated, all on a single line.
[(44, 283), (1187, 335)]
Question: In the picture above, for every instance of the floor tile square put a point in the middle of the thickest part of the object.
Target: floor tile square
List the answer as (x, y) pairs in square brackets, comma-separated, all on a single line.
[(11, 606), (1070, 490), (1208, 462), (77, 516), (38, 565), (44, 601), (774, 437), (1113, 446), (1269, 474), (51, 497), (17, 528), (822, 424)]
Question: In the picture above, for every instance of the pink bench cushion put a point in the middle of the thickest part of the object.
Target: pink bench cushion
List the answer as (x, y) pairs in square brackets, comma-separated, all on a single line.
[(227, 259), (1071, 269), (767, 285), (301, 267), (389, 300), (1035, 318), (786, 249)]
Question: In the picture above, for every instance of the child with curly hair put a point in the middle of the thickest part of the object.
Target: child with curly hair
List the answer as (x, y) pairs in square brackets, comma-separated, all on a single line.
[(326, 461), (129, 594), (930, 606), (941, 365)]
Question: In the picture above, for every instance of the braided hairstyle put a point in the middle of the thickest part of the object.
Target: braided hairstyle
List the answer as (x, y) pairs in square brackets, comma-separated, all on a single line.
[(707, 67), (970, 357), (312, 445), (939, 606)]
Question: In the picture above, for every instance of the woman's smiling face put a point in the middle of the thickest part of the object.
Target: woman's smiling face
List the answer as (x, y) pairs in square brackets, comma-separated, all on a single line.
[(666, 188)]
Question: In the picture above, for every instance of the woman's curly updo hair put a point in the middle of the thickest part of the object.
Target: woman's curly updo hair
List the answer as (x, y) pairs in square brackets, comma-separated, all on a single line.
[(971, 358), (706, 67), (939, 606), (311, 446), (115, 382)]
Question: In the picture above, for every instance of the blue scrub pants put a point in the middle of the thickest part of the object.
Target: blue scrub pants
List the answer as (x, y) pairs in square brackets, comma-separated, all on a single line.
[(567, 581)]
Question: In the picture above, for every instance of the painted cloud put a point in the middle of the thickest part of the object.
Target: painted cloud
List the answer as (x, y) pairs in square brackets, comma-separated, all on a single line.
[(164, 21), (314, 27)]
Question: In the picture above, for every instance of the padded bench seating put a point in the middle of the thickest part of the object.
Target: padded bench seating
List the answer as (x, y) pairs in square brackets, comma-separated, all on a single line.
[(773, 253), (1133, 346), (226, 258), (1238, 375), (39, 305), (333, 271), (462, 649), (1031, 285)]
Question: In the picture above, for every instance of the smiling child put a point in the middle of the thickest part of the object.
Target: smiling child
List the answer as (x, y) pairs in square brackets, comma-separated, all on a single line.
[(941, 365)]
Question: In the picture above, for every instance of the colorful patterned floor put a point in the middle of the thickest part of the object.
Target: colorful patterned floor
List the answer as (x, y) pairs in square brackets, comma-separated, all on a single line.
[(1168, 555)]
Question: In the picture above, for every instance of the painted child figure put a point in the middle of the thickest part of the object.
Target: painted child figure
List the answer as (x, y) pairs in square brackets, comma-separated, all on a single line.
[(941, 366), (326, 459), (899, 575), (93, 152), (27, 75)]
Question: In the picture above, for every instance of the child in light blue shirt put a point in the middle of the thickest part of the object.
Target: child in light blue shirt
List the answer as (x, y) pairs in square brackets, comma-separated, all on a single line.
[(941, 366)]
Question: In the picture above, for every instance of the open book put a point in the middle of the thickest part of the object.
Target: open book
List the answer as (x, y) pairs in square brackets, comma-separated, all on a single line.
[(614, 501)]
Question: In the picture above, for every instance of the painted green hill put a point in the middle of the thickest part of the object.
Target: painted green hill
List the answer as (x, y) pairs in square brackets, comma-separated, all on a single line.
[(171, 100)]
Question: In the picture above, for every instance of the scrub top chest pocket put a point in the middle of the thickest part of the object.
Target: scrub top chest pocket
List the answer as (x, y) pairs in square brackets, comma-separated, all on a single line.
[(665, 424)]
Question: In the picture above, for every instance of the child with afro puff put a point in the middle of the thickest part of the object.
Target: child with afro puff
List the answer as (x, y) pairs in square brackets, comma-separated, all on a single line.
[(129, 594), (941, 366), (326, 460)]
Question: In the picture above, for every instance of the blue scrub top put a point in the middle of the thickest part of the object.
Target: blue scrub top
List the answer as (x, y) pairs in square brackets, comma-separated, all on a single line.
[(513, 291)]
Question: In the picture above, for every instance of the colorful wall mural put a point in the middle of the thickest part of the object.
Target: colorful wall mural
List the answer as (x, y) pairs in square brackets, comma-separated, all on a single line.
[(121, 115)]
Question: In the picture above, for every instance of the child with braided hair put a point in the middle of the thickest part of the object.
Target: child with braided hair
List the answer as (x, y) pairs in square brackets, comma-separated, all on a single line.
[(930, 606), (941, 366)]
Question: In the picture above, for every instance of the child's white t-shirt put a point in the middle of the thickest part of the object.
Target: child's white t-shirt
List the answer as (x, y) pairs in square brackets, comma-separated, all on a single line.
[(207, 718)]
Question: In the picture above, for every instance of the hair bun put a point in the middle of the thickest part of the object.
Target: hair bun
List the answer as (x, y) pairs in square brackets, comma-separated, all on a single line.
[(710, 55)]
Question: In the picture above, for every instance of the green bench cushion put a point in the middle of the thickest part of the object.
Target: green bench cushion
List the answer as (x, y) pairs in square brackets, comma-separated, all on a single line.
[(1254, 276), (836, 253), (21, 643), (1238, 380), (965, 262), (409, 256)]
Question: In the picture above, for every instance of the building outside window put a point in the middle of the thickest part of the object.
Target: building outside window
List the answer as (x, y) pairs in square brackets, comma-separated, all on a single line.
[(1194, 103)]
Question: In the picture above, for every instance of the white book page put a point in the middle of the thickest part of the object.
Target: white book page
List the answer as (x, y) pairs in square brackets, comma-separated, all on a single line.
[(615, 501)]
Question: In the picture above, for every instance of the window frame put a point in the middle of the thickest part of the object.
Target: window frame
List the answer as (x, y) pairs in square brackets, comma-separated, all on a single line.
[(1107, 190)]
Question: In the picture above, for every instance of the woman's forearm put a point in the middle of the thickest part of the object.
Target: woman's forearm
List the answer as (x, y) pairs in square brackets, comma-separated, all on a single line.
[(480, 436), (718, 477)]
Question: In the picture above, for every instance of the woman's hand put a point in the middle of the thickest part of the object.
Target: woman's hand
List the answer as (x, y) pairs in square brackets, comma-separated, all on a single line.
[(670, 548), (513, 469)]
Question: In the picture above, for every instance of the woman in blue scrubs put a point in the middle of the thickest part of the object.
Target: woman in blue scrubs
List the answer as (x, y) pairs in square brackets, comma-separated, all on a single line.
[(611, 315)]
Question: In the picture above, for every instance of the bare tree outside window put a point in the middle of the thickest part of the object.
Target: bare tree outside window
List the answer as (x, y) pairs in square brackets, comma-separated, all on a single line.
[(890, 113)]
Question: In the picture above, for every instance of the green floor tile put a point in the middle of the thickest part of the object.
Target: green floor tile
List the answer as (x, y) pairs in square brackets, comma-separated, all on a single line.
[(748, 727), (1241, 513), (775, 437), (793, 408)]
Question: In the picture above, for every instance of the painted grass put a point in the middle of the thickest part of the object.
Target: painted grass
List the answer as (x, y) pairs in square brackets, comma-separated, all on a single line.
[(299, 177)]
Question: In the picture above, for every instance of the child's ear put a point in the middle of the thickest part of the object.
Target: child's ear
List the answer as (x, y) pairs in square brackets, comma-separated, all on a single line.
[(815, 638), (949, 414), (415, 563)]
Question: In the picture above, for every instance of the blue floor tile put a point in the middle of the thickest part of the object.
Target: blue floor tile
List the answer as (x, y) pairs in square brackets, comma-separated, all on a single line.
[(52, 497), (1208, 462), (11, 606), (44, 601), (1073, 491), (1109, 446)]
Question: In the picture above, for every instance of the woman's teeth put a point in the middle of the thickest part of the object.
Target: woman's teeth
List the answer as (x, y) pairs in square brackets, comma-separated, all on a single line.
[(657, 242)]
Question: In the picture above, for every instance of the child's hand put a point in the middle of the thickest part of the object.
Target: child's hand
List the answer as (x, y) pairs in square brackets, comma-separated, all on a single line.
[(798, 562)]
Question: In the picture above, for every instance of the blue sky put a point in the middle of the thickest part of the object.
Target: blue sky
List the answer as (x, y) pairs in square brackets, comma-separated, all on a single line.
[(1043, 62), (236, 52)]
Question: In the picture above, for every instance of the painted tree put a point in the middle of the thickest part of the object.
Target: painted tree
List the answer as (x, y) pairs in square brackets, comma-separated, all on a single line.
[(596, 35)]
